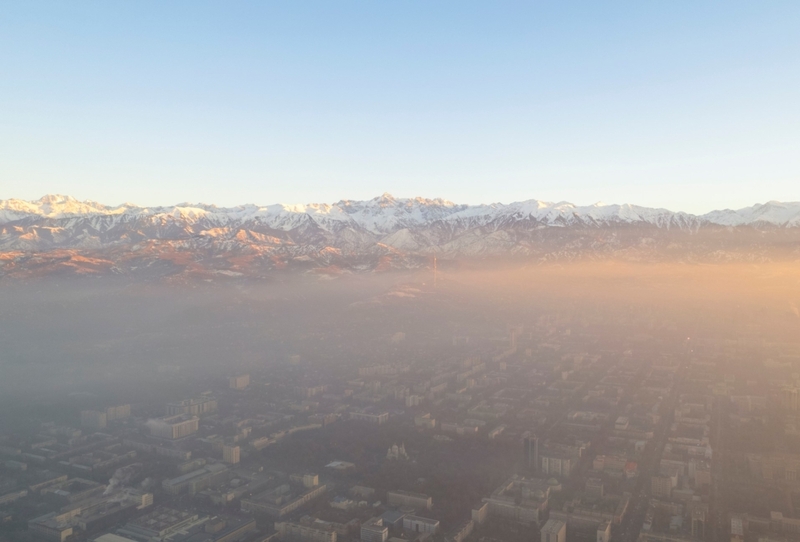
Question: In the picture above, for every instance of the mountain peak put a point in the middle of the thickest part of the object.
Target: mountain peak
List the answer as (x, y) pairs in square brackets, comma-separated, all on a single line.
[(53, 199)]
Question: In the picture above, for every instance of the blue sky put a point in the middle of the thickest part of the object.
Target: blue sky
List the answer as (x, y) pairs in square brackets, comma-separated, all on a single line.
[(686, 105)]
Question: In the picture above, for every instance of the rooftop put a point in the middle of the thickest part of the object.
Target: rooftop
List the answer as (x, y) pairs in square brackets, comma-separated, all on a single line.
[(553, 526)]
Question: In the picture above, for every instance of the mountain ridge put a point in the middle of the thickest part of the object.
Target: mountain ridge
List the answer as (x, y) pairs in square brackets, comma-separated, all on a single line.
[(62, 234), (62, 206)]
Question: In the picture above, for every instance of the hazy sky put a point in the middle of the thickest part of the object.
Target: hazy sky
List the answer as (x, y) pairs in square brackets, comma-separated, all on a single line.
[(682, 104)]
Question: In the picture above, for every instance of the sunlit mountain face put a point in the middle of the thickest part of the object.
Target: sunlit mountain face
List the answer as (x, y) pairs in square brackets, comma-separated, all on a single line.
[(59, 234)]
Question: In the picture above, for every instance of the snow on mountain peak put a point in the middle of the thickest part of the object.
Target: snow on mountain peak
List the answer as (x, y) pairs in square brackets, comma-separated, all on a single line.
[(56, 198), (370, 233), (386, 214), (773, 212)]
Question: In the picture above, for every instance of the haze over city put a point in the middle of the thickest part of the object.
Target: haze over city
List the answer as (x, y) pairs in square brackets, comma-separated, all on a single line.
[(399, 272)]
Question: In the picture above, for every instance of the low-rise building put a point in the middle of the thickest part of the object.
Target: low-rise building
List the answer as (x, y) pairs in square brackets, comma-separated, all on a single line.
[(462, 532), (281, 500), (519, 499), (73, 490), (196, 480), (480, 513), (419, 525), (159, 523), (51, 527), (374, 530), (425, 421), (296, 532), (408, 499), (377, 418), (89, 515)]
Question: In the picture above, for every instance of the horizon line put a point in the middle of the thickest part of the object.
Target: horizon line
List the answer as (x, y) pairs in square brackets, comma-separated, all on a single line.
[(387, 195)]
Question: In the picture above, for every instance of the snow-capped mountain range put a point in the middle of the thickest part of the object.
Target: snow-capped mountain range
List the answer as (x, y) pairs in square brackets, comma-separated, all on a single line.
[(384, 232)]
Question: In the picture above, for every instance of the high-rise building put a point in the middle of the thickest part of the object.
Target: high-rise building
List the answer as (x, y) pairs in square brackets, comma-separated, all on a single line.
[(308, 480), (556, 466), (558, 459), (554, 531), (196, 407), (174, 427), (594, 488), (239, 382), (530, 451), (698, 515), (118, 412), (230, 454), (789, 399), (93, 419), (661, 486)]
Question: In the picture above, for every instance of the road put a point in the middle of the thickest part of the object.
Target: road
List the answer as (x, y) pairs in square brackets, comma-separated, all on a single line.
[(716, 511), (631, 526)]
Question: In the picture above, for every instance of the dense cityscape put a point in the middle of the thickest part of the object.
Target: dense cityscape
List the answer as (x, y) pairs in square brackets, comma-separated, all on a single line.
[(549, 428)]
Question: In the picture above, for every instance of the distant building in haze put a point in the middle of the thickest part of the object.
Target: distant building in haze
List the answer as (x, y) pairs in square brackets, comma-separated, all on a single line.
[(374, 531), (377, 418), (174, 427), (408, 499), (554, 531), (530, 452), (196, 407), (93, 419), (789, 399), (118, 412), (230, 454)]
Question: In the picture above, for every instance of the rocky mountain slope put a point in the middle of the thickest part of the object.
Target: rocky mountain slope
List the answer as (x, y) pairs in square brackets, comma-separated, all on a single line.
[(58, 234)]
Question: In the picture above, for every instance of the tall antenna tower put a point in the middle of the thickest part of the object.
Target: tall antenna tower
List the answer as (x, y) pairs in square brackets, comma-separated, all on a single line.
[(435, 271)]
